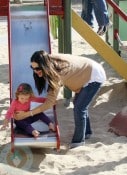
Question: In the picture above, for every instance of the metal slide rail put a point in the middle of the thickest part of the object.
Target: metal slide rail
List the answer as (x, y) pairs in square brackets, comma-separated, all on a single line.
[(123, 15), (117, 9)]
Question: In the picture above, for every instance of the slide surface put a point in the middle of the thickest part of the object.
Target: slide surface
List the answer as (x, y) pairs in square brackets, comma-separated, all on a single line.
[(29, 32)]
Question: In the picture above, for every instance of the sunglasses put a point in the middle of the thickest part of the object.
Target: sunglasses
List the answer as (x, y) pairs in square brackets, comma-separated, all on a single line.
[(36, 68)]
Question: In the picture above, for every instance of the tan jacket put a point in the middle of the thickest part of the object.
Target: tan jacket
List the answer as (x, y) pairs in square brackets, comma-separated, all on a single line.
[(75, 77)]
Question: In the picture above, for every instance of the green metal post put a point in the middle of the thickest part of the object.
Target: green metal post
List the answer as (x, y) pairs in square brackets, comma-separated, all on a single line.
[(60, 35), (67, 41), (116, 26)]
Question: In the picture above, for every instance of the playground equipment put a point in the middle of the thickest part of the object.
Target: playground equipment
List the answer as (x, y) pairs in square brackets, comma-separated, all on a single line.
[(118, 124), (117, 32), (62, 8), (118, 63), (28, 31)]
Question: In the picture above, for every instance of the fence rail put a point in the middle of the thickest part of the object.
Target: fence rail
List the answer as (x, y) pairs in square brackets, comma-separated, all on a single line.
[(117, 9)]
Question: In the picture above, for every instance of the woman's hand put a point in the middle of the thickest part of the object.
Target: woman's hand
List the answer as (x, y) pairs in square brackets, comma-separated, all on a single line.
[(19, 115)]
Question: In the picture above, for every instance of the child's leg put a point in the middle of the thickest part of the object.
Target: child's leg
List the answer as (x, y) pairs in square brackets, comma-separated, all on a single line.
[(35, 133), (52, 126), (44, 119), (25, 125)]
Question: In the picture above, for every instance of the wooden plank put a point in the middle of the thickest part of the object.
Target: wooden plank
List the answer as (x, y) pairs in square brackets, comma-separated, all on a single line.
[(117, 63)]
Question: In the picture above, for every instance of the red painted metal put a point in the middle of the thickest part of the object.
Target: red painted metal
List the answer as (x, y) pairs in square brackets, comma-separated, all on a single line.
[(116, 33), (5, 11), (4, 6), (57, 128), (55, 2), (118, 125), (55, 7), (117, 9)]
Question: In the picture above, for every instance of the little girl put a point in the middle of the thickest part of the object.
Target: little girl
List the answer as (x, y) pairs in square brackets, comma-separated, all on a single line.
[(24, 95)]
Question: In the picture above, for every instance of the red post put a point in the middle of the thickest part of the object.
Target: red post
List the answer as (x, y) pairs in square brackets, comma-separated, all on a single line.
[(55, 7), (4, 6)]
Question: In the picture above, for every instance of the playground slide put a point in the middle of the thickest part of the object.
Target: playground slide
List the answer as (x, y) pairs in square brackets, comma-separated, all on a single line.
[(117, 63), (29, 31)]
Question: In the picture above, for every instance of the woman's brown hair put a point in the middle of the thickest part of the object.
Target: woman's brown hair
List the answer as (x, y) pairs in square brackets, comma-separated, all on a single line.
[(50, 68)]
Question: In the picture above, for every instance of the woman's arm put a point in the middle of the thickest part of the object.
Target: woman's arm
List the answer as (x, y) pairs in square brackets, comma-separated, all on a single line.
[(20, 115), (38, 99), (49, 102)]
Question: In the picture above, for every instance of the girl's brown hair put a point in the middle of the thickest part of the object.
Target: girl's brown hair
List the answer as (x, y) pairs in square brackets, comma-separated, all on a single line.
[(24, 89)]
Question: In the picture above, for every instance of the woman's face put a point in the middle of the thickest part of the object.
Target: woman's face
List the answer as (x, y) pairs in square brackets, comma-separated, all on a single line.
[(37, 70)]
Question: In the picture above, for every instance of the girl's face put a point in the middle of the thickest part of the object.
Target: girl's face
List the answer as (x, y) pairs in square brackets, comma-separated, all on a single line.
[(23, 98), (37, 70)]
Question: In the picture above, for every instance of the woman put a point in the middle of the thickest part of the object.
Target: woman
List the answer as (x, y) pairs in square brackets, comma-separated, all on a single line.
[(81, 75)]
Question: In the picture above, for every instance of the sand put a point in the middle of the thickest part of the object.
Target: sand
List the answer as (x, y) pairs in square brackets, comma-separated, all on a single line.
[(103, 154)]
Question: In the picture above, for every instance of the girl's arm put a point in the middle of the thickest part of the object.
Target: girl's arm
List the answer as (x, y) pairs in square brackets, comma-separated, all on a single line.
[(9, 115), (11, 110)]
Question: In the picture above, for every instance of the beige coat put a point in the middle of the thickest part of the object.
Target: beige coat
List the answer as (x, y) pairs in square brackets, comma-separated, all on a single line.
[(75, 77)]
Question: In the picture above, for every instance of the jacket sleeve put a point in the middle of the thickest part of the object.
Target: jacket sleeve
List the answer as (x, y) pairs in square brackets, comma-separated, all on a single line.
[(49, 102)]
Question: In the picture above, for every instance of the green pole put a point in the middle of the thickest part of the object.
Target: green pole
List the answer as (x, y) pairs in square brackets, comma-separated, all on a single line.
[(67, 41), (116, 26), (60, 35)]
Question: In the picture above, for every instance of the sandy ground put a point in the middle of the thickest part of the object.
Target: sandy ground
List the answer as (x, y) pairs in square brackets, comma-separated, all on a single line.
[(103, 154)]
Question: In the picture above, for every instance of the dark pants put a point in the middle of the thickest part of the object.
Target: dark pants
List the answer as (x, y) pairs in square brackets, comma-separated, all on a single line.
[(25, 124), (99, 7), (81, 103)]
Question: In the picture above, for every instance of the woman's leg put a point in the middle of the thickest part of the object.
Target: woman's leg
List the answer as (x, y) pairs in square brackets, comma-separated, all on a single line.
[(87, 12), (81, 118), (101, 12)]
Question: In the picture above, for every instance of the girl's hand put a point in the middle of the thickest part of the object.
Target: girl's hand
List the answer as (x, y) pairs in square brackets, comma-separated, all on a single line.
[(3, 128), (5, 125), (19, 112)]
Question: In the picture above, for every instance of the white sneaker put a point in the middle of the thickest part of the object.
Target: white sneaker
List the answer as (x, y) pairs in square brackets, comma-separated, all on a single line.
[(102, 30), (75, 145)]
